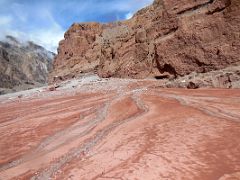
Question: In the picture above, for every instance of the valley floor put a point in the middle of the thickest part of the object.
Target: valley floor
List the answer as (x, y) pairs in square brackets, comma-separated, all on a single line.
[(120, 129)]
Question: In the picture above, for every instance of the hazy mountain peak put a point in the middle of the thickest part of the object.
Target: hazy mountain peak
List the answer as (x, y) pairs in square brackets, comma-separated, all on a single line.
[(12, 40), (23, 65)]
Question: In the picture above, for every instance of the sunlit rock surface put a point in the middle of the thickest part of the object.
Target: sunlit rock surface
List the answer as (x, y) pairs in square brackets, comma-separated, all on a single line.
[(166, 39), (93, 128)]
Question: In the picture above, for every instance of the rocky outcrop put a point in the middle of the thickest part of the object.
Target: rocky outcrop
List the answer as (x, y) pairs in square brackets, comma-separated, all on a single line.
[(224, 78), (23, 65), (165, 40)]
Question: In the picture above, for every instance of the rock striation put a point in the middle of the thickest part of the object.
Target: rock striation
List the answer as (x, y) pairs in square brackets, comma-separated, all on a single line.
[(126, 129), (167, 39), (225, 78), (23, 65)]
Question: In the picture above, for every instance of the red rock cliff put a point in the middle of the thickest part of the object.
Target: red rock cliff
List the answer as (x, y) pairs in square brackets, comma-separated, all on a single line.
[(169, 38)]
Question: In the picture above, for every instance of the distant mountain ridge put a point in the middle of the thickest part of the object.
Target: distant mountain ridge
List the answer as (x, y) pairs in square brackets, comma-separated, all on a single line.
[(23, 65)]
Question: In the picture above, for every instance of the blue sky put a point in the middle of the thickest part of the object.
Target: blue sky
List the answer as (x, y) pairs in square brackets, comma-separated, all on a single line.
[(45, 21)]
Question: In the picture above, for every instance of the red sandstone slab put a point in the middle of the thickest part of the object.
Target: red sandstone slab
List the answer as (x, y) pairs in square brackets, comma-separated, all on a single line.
[(135, 133)]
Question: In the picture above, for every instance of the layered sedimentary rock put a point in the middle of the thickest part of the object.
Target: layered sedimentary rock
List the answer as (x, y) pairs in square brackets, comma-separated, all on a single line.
[(224, 78), (167, 39), (125, 129), (23, 65)]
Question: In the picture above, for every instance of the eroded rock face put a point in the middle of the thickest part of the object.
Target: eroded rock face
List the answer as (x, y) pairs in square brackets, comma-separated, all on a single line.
[(225, 78), (167, 39)]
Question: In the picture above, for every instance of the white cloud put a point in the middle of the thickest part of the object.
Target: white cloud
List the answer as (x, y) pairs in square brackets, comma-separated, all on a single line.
[(48, 36), (129, 15), (31, 21), (105, 6), (5, 20)]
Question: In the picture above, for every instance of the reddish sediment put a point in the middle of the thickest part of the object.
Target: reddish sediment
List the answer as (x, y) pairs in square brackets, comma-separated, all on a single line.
[(135, 131)]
